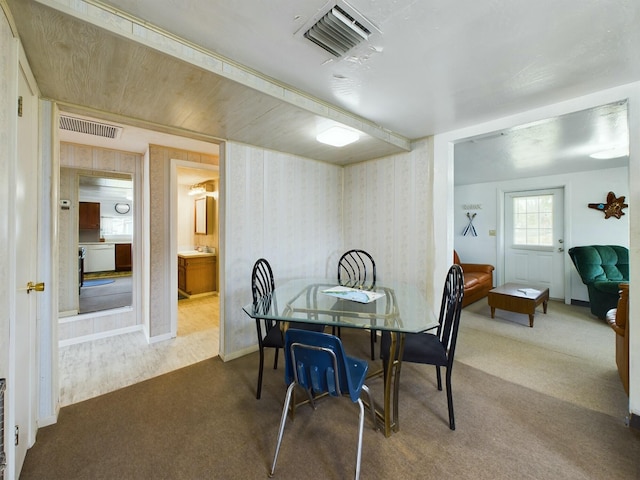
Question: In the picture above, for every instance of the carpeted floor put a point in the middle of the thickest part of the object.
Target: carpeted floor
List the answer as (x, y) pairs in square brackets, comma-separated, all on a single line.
[(203, 421)]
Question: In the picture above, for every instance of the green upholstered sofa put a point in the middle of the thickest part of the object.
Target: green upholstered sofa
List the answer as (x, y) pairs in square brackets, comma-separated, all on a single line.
[(602, 268)]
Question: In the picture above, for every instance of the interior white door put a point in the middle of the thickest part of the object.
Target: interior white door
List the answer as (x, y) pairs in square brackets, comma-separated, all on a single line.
[(26, 235), (534, 239)]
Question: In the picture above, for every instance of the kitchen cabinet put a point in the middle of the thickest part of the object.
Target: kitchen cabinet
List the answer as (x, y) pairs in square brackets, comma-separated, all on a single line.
[(197, 273), (99, 257), (123, 257), (89, 216)]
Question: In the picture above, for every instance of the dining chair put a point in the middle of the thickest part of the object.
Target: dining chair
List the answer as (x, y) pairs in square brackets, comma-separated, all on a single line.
[(317, 362), (269, 331), (438, 349), (357, 269)]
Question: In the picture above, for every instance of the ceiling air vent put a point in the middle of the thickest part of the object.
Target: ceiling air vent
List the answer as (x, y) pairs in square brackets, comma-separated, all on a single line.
[(339, 30), (89, 127)]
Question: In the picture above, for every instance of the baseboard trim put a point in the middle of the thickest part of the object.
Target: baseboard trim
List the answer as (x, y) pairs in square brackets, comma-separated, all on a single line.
[(634, 421), (580, 303), (99, 335)]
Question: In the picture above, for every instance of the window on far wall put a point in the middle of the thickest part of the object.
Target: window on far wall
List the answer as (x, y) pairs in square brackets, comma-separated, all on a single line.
[(533, 220)]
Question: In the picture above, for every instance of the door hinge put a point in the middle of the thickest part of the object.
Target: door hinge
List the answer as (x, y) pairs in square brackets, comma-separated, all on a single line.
[(17, 435), (20, 106)]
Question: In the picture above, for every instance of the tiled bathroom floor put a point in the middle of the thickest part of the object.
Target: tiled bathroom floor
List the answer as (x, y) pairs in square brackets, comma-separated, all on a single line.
[(94, 368)]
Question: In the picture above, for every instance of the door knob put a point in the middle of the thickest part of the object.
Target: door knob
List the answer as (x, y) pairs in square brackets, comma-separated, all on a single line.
[(38, 287)]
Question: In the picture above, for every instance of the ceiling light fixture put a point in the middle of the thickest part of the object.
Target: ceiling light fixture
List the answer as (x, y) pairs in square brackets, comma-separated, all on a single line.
[(197, 189), (615, 152), (338, 136)]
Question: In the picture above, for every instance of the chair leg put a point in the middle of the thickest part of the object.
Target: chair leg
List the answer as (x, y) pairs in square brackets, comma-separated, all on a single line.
[(360, 431), (373, 340), (452, 421), (283, 420), (275, 359), (259, 391), (439, 377), (372, 407)]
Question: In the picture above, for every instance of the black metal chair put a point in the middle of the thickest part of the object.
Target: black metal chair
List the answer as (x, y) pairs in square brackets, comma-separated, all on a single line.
[(357, 269), (440, 348), (270, 334)]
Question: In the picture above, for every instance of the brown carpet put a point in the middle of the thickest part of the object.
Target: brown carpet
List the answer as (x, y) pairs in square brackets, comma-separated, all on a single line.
[(203, 421)]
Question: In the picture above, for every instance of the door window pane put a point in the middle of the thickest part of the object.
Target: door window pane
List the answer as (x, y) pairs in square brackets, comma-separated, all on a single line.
[(533, 220)]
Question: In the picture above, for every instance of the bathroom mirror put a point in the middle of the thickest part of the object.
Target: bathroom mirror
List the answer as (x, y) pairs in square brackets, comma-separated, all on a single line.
[(201, 215)]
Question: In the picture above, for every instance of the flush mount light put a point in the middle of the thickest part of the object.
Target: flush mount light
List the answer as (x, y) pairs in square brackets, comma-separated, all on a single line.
[(338, 136), (122, 208), (615, 152)]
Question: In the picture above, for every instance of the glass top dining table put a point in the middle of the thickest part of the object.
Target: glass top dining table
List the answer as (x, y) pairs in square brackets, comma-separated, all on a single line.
[(398, 308)]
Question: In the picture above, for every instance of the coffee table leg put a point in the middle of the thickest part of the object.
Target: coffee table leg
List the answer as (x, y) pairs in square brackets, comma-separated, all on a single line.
[(531, 320), (493, 312), (544, 306)]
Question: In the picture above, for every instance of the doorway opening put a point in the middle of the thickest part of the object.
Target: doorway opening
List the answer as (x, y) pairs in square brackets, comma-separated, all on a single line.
[(195, 248)]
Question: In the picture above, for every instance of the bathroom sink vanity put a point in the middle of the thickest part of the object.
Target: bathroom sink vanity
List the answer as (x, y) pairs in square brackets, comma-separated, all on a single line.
[(197, 272)]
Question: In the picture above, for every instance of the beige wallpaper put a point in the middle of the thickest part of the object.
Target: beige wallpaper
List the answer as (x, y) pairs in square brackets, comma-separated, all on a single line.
[(284, 208), (387, 211)]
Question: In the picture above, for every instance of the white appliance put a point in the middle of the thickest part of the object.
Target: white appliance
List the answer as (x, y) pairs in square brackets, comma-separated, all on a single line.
[(99, 257)]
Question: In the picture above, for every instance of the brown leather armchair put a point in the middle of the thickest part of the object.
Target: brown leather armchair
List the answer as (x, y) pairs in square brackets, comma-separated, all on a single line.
[(478, 280), (617, 319)]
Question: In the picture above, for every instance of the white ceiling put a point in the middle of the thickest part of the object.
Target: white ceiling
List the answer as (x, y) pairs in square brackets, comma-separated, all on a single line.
[(435, 66)]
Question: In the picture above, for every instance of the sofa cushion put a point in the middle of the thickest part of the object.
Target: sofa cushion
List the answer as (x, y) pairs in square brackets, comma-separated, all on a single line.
[(471, 279)]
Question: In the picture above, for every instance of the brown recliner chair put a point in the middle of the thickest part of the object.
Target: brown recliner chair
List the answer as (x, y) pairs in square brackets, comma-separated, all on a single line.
[(478, 280), (617, 318)]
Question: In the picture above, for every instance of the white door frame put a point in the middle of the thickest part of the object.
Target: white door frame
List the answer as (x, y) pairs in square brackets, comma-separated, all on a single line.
[(500, 266), (173, 234)]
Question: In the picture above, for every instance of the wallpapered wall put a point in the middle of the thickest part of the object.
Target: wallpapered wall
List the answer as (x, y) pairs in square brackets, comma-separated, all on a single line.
[(301, 215), (284, 208)]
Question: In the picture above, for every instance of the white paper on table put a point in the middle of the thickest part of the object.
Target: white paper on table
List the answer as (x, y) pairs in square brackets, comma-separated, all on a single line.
[(353, 294)]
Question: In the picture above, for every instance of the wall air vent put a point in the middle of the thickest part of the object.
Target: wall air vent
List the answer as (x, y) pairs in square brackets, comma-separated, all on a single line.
[(339, 30), (89, 127)]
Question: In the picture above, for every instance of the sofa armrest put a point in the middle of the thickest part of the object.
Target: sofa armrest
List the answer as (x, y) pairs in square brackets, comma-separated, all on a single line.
[(476, 267)]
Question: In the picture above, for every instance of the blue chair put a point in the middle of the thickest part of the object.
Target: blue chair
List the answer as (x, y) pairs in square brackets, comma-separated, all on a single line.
[(321, 366)]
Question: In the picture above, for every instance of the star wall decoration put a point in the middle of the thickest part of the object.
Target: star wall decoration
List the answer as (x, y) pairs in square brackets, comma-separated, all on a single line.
[(613, 207)]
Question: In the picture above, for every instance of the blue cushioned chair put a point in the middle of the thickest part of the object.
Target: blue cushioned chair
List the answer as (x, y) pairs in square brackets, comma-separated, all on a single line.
[(316, 362), (602, 268)]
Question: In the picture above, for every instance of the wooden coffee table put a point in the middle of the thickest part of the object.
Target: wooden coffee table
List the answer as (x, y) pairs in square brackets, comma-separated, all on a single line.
[(518, 298)]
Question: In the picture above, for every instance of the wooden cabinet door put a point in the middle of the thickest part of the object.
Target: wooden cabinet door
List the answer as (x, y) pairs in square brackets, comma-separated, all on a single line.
[(182, 274), (123, 257), (200, 275), (89, 216)]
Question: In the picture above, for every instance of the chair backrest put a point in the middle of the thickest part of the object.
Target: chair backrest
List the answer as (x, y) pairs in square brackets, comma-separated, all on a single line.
[(262, 285), (316, 361), (601, 263), (357, 269), (450, 309)]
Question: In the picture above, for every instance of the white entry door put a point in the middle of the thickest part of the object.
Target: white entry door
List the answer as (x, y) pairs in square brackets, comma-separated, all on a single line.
[(23, 326), (534, 239)]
